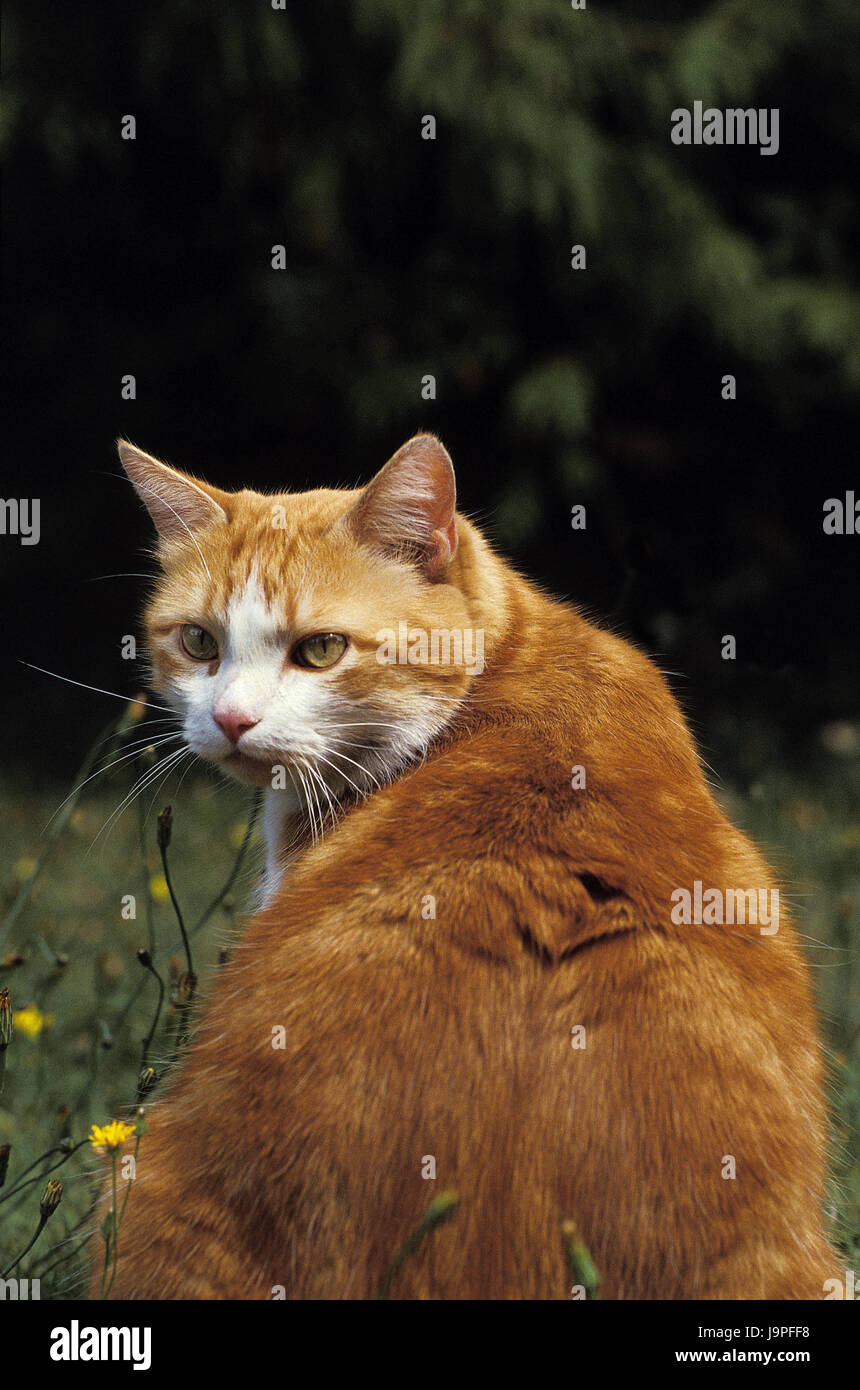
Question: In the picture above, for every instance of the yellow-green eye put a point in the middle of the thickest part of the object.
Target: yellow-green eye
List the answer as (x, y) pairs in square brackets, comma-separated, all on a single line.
[(198, 643), (320, 651)]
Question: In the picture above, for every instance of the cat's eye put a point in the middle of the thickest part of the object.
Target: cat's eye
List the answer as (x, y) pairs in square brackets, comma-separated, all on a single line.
[(320, 651), (197, 642)]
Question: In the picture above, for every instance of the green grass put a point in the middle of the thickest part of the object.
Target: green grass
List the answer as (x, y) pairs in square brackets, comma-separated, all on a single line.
[(80, 971), (810, 828), (79, 968)]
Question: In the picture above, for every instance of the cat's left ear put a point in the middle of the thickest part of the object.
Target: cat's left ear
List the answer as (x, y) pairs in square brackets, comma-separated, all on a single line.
[(409, 508), (177, 504)]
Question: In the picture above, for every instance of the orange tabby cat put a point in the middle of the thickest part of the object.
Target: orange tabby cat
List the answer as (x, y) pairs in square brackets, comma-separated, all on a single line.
[(508, 938)]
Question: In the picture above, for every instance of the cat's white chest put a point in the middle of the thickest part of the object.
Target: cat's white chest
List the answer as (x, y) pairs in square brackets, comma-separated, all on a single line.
[(280, 809)]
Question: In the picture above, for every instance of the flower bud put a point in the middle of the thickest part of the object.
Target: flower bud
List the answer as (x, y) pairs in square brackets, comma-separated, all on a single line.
[(148, 757), (441, 1208), (51, 1197), (147, 1080), (582, 1266), (137, 708), (165, 824), (5, 1019)]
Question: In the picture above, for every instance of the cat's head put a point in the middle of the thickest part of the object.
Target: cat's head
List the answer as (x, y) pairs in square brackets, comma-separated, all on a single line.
[(286, 630)]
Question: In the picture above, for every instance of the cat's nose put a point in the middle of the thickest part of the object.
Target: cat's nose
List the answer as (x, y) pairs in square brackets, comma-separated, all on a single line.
[(234, 723)]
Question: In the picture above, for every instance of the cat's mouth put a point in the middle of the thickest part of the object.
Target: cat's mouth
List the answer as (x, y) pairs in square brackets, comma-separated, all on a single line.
[(249, 769)]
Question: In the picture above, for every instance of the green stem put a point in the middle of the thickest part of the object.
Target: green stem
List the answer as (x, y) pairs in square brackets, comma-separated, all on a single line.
[(582, 1266), (147, 1042), (119, 1220), (246, 840), (108, 1239), (69, 1254), (144, 859), (213, 906), (19, 1187), (176, 909), (115, 1224), (27, 1248), (441, 1209), (30, 1167), (110, 1236)]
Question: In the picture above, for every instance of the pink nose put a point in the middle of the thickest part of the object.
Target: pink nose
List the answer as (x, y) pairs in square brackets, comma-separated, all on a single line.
[(234, 724)]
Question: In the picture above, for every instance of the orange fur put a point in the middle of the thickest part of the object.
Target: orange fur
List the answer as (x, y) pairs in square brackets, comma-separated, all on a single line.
[(451, 1037)]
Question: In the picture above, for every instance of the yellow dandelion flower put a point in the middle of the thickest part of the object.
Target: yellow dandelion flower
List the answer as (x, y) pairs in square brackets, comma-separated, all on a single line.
[(25, 867), (237, 834), (31, 1021), (158, 889), (136, 709), (104, 1137)]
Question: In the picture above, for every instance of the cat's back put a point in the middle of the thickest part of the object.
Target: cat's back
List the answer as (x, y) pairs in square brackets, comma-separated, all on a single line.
[(479, 967), (474, 983)]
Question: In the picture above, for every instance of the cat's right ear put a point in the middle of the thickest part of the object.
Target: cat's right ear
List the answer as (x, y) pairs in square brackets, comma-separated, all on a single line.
[(409, 508), (178, 505)]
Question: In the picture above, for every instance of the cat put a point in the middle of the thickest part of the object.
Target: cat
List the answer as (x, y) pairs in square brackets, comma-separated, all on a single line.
[(469, 972)]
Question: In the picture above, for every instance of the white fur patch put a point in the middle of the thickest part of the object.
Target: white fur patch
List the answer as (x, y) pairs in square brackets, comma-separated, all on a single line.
[(313, 746)]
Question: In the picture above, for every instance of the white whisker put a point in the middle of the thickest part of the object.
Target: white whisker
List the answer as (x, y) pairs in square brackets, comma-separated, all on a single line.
[(301, 776), (129, 574), (341, 773), (366, 724), (144, 781), (128, 699), (333, 806), (165, 503), (134, 753), (173, 768), (336, 753), (315, 795)]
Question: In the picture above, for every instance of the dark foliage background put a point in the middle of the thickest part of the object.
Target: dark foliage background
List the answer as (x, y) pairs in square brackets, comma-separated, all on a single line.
[(302, 126)]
